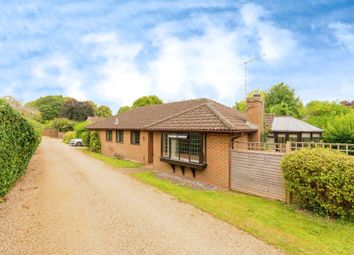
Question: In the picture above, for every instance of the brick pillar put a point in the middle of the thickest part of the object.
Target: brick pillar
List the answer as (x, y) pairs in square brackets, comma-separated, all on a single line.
[(255, 114)]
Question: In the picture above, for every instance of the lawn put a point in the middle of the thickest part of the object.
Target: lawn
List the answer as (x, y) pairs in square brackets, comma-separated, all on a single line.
[(118, 163), (293, 231)]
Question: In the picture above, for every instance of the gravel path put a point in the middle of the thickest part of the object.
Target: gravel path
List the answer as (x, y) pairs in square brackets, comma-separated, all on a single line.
[(69, 203)]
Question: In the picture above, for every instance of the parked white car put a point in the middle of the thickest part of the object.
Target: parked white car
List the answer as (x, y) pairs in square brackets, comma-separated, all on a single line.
[(76, 142)]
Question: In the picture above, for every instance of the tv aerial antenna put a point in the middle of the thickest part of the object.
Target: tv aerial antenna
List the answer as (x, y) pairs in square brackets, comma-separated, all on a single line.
[(245, 65)]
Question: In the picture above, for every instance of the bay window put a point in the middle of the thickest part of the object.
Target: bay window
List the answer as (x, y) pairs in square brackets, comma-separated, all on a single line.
[(185, 147)]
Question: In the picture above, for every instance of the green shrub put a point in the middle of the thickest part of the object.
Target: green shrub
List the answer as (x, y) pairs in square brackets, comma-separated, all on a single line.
[(340, 129), (85, 136), (95, 144), (62, 124), (322, 180), (69, 136), (81, 127), (19, 139)]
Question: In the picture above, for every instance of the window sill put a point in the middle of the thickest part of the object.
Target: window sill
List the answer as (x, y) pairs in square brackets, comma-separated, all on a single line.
[(184, 163)]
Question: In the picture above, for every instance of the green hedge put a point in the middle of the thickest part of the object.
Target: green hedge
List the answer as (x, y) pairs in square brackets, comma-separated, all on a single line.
[(68, 136), (80, 127), (85, 136), (322, 180), (19, 138), (95, 144)]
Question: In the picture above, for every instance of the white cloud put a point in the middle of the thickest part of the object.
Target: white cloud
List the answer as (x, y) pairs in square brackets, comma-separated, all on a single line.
[(121, 81), (274, 41), (209, 61), (57, 71), (344, 33), (185, 65)]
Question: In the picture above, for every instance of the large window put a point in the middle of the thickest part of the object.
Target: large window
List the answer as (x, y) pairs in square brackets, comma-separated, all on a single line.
[(109, 135), (135, 137), (188, 147), (119, 136)]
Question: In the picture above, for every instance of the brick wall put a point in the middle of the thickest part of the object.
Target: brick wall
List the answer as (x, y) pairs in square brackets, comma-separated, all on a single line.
[(129, 151), (255, 114), (218, 153)]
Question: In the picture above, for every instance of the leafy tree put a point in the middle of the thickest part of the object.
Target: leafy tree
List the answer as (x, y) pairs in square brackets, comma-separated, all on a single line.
[(49, 106), (282, 99), (27, 111), (340, 129), (147, 100), (77, 110), (242, 106), (93, 104), (103, 111), (319, 113), (124, 109)]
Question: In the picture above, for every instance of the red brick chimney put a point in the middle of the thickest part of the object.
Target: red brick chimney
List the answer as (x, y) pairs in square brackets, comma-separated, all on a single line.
[(255, 114)]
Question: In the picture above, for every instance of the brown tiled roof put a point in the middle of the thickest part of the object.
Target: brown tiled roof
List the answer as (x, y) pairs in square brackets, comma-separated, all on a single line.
[(268, 120), (193, 115)]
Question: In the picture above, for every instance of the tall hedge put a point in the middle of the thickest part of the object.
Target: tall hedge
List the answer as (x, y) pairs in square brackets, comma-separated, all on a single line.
[(322, 180), (19, 138), (95, 144)]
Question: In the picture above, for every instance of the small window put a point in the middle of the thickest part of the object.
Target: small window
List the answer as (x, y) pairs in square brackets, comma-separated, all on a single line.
[(293, 137), (135, 137), (306, 137), (281, 138), (109, 135), (119, 136), (316, 137)]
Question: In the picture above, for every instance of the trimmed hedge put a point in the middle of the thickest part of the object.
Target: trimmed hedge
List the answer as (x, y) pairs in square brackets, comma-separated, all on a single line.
[(95, 144), (85, 136), (322, 180), (19, 139)]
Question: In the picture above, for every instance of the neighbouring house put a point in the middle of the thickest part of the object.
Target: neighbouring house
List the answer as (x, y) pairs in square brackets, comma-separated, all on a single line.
[(190, 138), (287, 128), (94, 119)]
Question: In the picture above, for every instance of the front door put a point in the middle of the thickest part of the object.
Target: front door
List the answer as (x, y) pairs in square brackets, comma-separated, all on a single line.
[(150, 148)]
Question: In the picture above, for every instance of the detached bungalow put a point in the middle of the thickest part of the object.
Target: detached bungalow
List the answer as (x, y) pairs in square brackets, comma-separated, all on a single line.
[(193, 137), (190, 138)]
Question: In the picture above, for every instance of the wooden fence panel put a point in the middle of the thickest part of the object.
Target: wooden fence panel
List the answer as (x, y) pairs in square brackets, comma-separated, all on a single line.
[(51, 132), (257, 173)]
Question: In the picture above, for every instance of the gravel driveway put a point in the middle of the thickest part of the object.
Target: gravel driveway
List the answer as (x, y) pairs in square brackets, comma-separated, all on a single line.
[(69, 203)]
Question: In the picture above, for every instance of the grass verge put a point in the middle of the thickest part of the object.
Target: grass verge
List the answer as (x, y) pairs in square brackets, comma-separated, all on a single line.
[(118, 163), (292, 231)]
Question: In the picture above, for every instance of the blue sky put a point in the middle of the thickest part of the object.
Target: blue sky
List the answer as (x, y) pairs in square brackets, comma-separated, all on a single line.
[(115, 51)]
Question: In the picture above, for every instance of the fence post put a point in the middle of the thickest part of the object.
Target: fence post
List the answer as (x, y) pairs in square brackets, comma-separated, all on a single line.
[(288, 197), (288, 147)]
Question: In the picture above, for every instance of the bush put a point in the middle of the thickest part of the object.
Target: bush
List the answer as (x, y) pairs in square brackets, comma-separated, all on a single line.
[(69, 136), (85, 136), (322, 180), (95, 144), (340, 129), (81, 127), (62, 124), (19, 139)]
